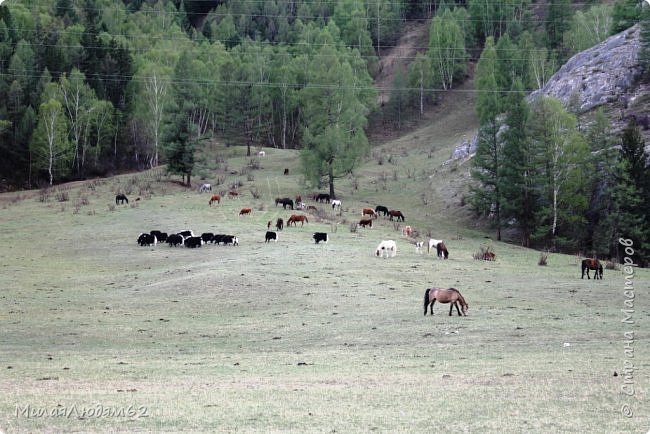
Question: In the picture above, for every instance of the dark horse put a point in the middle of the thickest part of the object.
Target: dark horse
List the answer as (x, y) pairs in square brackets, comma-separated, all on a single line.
[(450, 295), (592, 264), (121, 198)]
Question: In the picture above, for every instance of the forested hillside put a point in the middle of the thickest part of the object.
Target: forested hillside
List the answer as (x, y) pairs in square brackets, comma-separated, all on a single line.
[(94, 87)]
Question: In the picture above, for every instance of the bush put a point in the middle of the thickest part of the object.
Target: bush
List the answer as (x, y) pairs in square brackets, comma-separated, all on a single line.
[(62, 196), (543, 259)]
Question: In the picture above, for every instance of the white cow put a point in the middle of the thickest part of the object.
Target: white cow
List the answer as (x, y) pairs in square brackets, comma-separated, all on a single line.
[(387, 248)]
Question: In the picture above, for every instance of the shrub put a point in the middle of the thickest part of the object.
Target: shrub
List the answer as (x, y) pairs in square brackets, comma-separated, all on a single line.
[(543, 259), (62, 196)]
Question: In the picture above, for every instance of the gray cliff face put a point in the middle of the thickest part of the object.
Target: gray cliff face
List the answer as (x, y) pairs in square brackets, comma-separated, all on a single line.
[(605, 75)]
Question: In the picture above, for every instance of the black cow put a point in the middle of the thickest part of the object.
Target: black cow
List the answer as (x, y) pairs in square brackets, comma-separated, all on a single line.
[(161, 236), (230, 239), (270, 235), (175, 240), (207, 237), (147, 239), (218, 238), (320, 236), (193, 242), (381, 209), (279, 224), (186, 233), (121, 198)]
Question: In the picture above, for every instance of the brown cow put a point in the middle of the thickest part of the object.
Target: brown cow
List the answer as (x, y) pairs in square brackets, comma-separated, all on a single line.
[(233, 195), (245, 211)]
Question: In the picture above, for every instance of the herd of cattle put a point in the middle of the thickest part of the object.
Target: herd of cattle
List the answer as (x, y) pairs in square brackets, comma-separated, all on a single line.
[(187, 238)]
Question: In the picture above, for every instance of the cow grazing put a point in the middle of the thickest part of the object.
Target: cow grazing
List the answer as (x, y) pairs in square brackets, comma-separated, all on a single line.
[(207, 237), (279, 224), (395, 214), (320, 236), (147, 240), (270, 235), (175, 240), (381, 209), (286, 171), (245, 211), (230, 239), (233, 195), (193, 242), (121, 198), (365, 222), (186, 233), (160, 236), (226, 239), (204, 188), (386, 248)]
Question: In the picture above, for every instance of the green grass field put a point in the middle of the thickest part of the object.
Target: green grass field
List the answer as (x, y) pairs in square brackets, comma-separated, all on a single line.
[(101, 335)]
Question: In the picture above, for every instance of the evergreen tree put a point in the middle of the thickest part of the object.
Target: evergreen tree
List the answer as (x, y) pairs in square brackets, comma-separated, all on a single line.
[(487, 169), (557, 23), (520, 199)]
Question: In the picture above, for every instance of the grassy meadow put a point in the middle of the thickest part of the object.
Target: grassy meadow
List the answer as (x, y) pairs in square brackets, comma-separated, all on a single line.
[(101, 335)]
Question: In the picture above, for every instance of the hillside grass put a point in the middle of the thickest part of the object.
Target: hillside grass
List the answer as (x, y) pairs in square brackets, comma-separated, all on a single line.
[(298, 337)]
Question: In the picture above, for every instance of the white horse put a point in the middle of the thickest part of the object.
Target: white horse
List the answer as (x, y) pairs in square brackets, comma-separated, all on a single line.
[(439, 245), (205, 188), (418, 246), (432, 244), (336, 203), (387, 248)]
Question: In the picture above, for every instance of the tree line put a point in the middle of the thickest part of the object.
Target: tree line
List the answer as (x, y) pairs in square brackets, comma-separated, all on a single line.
[(98, 86)]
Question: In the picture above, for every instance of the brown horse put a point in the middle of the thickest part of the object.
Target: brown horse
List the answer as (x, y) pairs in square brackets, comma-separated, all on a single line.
[(395, 214), (233, 195), (450, 295), (592, 264), (245, 211), (214, 198), (297, 218)]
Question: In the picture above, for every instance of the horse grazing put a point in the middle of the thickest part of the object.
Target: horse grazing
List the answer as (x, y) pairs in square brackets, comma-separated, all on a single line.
[(369, 211), (592, 264), (322, 197), (295, 218), (121, 198), (365, 222), (214, 198), (204, 188), (245, 211), (270, 235), (279, 224), (441, 249), (285, 201), (395, 214), (386, 248), (336, 203), (450, 295), (233, 195), (381, 209)]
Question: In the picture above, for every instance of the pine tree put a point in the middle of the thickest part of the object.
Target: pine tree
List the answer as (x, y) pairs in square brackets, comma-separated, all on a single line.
[(487, 168)]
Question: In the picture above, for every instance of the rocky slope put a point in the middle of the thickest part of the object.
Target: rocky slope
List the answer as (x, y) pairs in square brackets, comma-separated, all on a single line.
[(606, 75)]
